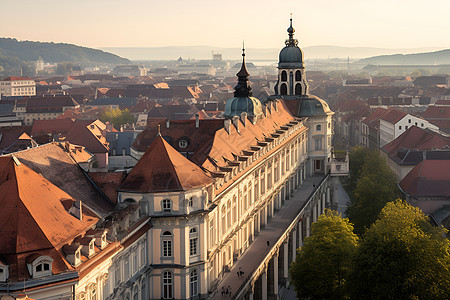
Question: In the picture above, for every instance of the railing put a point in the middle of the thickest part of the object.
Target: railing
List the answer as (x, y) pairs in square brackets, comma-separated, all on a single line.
[(261, 268)]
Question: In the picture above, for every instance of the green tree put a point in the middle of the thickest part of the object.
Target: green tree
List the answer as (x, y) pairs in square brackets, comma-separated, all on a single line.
[(117, 117), (323, 263), (375, 187), (402, 256), (357, 157)]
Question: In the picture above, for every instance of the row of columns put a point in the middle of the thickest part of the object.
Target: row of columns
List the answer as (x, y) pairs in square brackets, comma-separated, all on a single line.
[(267, 286)]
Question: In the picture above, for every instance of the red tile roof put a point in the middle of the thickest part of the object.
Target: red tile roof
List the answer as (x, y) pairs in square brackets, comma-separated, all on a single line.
[(393, 116), (416, 138), (163, 169), (16, 78), (430, 178), (32, 217), (373, 120), (437, 112)]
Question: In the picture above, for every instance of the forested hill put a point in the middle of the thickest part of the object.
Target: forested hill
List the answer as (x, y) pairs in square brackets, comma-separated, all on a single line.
[(428, 58), (56, 52)]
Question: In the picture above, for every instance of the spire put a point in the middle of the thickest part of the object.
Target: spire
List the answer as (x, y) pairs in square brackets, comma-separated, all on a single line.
[(291, 41), (242, 89)]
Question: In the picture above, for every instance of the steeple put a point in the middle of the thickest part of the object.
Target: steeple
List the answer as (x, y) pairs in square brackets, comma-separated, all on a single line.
[(242, 89), (291, 41)]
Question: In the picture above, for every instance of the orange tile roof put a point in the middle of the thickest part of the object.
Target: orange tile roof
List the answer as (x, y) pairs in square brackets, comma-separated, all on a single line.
[(430, 178), (16, 78), (163, 169)]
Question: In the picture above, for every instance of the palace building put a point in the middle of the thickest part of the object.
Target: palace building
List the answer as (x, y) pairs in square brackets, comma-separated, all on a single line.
[(199, 196)]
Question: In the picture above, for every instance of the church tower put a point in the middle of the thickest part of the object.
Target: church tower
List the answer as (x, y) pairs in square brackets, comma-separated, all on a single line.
[(291, 69)]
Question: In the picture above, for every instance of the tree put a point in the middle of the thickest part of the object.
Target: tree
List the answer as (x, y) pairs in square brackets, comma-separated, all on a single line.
[(323, 263), (357, 157), (375, 187), (117, 117), (402, 256)]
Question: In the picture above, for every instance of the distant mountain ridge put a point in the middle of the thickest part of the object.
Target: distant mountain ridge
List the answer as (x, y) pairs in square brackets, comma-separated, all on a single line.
[(268, 54), (441, 57), (56, 52)]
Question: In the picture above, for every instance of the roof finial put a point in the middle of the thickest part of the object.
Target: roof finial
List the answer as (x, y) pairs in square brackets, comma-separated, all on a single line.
[(291, 41), (159, 130), (243, 49), (242, 89)]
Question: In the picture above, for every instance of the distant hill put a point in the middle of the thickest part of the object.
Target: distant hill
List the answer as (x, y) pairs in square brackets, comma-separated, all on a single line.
[(441, 57), (253, 54), (12, 49)]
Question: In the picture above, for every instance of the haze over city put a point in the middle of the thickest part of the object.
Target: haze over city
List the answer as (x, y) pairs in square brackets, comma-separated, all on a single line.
[(140, 23)]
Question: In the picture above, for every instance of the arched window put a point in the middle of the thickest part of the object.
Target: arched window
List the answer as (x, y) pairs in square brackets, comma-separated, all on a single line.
[(194, 283), (136, 293), (167, 244), (283, 89), (298, 89), (298, 76), (166, 205), (167, 279), (41, 266), (193, 241), (283, 76)]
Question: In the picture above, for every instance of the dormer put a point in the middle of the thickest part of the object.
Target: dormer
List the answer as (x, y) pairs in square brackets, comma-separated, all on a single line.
[(39, 265), (100, 237), (73, 254), (88, 246), (4, 271)]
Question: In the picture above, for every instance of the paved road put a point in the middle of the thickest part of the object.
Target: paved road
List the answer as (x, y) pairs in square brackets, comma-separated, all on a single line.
[(342, 198)]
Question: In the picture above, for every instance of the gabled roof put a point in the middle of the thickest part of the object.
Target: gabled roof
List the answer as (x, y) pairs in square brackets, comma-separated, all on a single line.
[(430, 178), (393, 116), (32, 216), (437, 112), (163, 169)]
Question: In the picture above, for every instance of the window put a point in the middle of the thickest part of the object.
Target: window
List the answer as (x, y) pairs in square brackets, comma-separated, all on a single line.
[(283, 89), (190, 202), (126, 266), (399, 127), (167, 244), (136, 293), (319, 127), (193, 241), (41, 266), (134, 262), (283, 76), (234, 212), (298, 89), (212, 236), (167, 205), (142, 262), (421, 124), (194, 283), (318, 143), (406, 127), (415, 123), (229, 214), (298, 76), (117, 273), (245, 203), (167, 285), (182, 144), (409, 120), (224, 219)]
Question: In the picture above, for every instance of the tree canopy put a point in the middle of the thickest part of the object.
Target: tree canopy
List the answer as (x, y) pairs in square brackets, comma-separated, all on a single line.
[(117, 117), (323, 263), (375, 186), (402, 256)]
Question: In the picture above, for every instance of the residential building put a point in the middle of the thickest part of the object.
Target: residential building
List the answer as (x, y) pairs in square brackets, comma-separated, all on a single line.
[(47, 107), (17, 86)]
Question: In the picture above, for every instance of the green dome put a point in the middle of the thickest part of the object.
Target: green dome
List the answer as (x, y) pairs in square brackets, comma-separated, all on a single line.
[(311, 106), (237, 105), (290, 57)]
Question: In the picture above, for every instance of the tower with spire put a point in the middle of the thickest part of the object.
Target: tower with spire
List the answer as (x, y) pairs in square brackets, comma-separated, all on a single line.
[(243, 100), (291, 70)]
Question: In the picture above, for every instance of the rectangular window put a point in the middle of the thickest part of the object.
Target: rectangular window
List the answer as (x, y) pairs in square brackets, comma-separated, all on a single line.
[(193, 246), (212, 238), (167, 248), (399, 127), (318, 143)]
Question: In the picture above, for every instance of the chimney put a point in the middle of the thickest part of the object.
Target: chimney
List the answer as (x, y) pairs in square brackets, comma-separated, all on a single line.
[(244, 118), (227, 124), (236, 122), (197, 120), (167, 123)]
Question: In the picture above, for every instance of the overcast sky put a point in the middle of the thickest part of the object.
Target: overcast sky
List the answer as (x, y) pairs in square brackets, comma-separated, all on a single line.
[(261, 23)]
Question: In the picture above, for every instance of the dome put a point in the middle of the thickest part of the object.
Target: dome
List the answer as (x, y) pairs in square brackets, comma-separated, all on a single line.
[(290, 57), (311, 106), (237, 105)]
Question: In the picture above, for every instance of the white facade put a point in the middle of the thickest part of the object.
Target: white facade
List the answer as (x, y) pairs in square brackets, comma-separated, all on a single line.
[(390, 131), (19, 87)]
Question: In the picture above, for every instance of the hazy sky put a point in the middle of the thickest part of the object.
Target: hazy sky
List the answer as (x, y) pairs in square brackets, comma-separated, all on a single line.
[(261, 23)]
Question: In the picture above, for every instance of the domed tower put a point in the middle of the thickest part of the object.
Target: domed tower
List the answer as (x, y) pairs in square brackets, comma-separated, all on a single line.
[(291, 69), (243, 100)]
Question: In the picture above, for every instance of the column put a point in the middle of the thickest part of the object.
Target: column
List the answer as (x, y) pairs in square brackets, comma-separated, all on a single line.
[(272, 207), (314, 211), (275, 276), (294, 244), (266, 212), (264, 285), (300, 233), (323, 203), (279, 199), (258, 220), (285, 259), (308, 224), (252, 230)]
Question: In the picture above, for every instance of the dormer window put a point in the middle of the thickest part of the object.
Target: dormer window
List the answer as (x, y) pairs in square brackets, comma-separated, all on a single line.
[(4, 271), (182, 144), (40, 266), (166, 205)]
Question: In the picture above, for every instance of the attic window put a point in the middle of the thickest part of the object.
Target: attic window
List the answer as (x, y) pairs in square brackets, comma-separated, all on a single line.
[(41, 267), (182, 144), (166, 205)]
